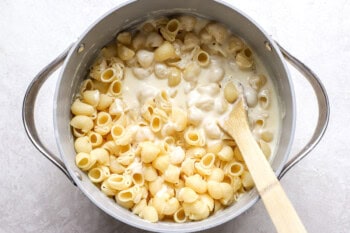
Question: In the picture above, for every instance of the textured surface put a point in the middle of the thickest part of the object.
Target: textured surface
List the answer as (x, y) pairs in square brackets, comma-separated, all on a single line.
[(36, 197)]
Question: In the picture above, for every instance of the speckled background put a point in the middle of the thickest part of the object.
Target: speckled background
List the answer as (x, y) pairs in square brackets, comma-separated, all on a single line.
[(36, 197)]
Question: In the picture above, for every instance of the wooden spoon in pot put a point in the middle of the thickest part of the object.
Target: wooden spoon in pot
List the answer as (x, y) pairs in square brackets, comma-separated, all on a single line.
[(280, 209)]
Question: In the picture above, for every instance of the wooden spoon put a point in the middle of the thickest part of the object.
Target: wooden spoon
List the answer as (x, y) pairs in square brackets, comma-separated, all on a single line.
[(280, 209)]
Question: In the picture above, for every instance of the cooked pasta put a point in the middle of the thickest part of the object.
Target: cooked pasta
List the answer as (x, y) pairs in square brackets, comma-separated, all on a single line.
[(161, 163), (173, 26), (84, 161), (235, 44), (161, 71), (95, 139), (234, 168), (180, 216), (217, 174), (191, 41), (174, 77), (100, 87), (98, 174), (172, 174), (171, 29), (187, 166), (154, 40), (115, 88), (80, 108), (257, 81), (149, 152), (82, 144), (267, 136), (218, 31), (104, 102), (197, 183), (196, 210), (145, 119), (264, 98), (226, 153), (187, 195), (191, 72), (108, 75), (202, 58), (124, 52), (103, 123), (194, 137), (82, 123), (244, 59), (230, 92), (150, 214), (207, 161), (247, 180), (164, 52), (145, 58), (126, 158), (101, 155), (87, 85), (107, 189), (187, 22), (149, 173), (124, 38), (156, 123), (138, 208)]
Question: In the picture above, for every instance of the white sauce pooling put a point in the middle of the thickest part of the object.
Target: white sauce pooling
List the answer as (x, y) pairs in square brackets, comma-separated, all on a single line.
[(202, 97)]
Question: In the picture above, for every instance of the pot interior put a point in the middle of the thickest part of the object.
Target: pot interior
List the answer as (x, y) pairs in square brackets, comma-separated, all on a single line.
[(103, 31)]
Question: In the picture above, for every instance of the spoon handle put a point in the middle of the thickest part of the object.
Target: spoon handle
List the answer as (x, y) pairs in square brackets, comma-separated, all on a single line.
[(280, 209)]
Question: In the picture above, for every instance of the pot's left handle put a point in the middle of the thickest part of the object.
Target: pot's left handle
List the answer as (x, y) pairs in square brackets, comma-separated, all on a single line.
[(28, 110)]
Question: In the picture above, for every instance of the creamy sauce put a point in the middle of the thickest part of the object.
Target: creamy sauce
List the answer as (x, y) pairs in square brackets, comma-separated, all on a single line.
[(203, 97)]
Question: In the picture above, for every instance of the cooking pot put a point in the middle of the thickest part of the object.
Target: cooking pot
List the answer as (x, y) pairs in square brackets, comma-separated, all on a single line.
[(80, 55)]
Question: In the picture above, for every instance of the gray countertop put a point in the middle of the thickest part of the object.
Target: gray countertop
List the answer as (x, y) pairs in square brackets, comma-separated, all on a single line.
[(36, 197)]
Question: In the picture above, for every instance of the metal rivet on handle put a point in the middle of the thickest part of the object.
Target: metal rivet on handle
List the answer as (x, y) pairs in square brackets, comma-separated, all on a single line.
[(81, 48), (268, 46), (78, 175)]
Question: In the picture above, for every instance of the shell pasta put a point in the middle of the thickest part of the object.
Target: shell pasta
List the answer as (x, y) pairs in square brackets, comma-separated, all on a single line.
[(145, 118)]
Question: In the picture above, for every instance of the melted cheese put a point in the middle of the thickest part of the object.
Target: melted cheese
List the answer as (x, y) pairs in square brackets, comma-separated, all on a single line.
[(203, 97)]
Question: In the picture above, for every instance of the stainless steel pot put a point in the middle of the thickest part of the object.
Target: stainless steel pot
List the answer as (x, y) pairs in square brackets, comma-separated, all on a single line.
[(78, 57)]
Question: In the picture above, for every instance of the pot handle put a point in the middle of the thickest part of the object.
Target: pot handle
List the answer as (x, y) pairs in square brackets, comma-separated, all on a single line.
[(323, 109), (28, 110)]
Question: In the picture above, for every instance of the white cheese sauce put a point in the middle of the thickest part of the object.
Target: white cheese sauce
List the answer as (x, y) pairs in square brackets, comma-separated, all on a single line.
[(203, 97)]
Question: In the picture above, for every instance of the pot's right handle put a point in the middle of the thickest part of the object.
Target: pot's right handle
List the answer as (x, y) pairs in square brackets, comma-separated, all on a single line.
[(323, 109)]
